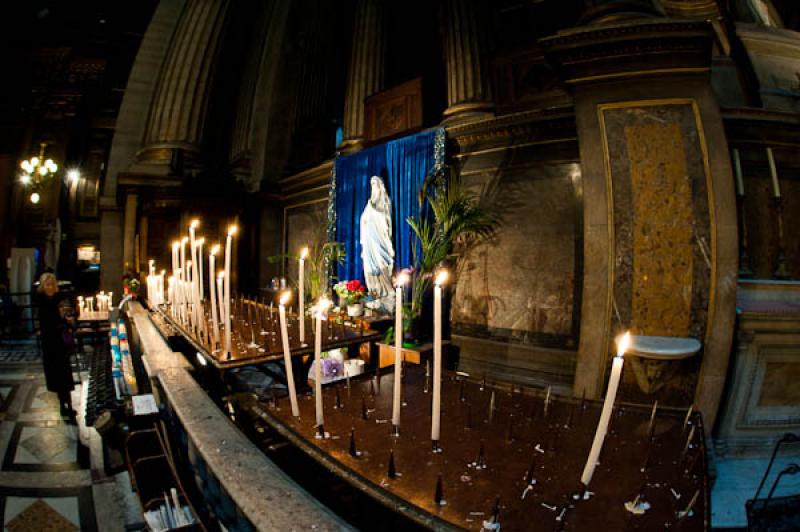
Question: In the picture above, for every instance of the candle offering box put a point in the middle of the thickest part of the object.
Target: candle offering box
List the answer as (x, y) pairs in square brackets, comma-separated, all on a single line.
[(526, 456)]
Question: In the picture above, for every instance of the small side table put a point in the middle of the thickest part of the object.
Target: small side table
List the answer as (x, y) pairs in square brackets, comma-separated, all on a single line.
[(414, 355), (654, 358)]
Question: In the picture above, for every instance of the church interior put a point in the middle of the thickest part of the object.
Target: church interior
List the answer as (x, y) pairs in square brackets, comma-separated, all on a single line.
[(359, 265)]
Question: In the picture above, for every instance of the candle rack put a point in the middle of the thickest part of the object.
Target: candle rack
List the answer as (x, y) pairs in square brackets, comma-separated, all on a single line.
[(256, 335), (556, 452)]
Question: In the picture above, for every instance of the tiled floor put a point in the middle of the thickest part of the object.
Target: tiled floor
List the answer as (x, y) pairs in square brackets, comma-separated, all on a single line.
[(737, 481), (51, 472)]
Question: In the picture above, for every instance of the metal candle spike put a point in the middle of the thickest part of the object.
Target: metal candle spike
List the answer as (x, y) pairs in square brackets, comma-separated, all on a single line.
[(651, 425), (353, 450), (338, 403), (547, 401), (688, 417), (364, 415), (688, 511), (438, 495), (583, 400), (687, 445), (392, 472), (491, 407)]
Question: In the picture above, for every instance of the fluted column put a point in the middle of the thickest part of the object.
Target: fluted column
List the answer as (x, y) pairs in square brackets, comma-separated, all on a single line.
[(469, 93), (365, 75), (179, 108)]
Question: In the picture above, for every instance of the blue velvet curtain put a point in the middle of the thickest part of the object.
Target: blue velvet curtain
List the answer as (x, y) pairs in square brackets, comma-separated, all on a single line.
[(403, 164)]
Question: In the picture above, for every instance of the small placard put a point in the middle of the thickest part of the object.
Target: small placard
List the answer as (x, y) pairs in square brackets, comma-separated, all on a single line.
[(144, 405)]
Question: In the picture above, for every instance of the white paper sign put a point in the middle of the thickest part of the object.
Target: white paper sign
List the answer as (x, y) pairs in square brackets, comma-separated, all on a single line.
[(144, 405)]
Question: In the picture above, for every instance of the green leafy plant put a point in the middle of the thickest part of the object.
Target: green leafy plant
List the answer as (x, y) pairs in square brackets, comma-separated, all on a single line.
[(321, 255), (461, 219)]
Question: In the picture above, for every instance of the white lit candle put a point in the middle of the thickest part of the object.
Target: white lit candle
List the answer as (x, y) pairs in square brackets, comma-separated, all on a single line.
[(212, 257), (287, 355), (200, 242), (228, 251), (737, 170), (321, 314), (195, 288), (301, 294), (402, 278), (183, 278), (608, 405), (221, 298), (441, 278), (773, 173)]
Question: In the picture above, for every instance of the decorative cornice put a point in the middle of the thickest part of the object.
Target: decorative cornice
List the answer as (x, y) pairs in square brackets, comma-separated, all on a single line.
[(634, 49), (307, 180), (516, 128)]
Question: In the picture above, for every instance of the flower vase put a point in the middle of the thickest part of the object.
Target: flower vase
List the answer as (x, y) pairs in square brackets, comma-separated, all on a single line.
[(354, 310)]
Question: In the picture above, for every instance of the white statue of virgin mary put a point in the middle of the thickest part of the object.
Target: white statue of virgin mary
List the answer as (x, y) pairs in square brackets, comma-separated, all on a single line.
[(377, 250)]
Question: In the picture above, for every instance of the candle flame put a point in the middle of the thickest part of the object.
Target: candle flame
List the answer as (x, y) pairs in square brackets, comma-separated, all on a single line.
[(175, 244), (441, 277), (184, 240), (232, 229), (303, 253), (402, 278), (220, 275), (200, 241), (188, 263), (285, 297), (622, 343), (163, 273), (194, 223), (214, 250)]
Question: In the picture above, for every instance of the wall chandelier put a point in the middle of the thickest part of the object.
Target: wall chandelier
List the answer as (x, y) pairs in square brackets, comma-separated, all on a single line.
[(36, 172)]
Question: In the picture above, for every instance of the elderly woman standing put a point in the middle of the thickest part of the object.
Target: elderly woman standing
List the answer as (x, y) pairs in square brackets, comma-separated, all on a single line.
[(54, 313)]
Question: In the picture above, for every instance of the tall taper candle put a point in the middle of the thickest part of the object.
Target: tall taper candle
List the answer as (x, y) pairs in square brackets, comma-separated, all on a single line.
[(228, 251), (200, 242), (287, 355), (737, 170), (402, 279), (441, 278), (301, 294), (773, 173), (320, 314), (221, 300), (184, 278), (195, 287), (605, 415), (212, 258)]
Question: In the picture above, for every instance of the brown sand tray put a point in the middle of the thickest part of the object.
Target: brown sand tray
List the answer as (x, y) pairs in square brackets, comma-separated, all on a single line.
[(519, 442), (335, 335)]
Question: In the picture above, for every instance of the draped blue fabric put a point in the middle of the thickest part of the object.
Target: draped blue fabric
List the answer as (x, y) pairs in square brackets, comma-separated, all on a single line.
[(403, 164)]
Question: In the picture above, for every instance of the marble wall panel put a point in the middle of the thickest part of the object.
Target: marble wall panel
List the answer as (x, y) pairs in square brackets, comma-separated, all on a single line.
[(664, 247), (304, 225), (521, 286)]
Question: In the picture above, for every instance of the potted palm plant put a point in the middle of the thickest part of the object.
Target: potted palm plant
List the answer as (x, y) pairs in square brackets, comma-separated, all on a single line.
[(460, 219)]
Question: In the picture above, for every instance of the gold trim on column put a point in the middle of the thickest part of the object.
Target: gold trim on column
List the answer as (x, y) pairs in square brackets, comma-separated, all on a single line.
[(639, 73), (601, 108)]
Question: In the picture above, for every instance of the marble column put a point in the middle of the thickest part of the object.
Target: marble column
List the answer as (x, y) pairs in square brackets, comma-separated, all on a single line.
[(179, 108), (469, 92), (365, 75), (144, 255), (129, 234)]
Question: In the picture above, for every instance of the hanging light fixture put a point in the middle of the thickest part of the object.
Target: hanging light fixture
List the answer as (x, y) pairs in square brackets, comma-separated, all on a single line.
[(36, 171)]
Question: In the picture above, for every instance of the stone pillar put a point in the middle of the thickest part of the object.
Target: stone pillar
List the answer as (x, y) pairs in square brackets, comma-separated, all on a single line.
[(129, 234), (144, 255), (178, 112), (469, 93), (365, 75)]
